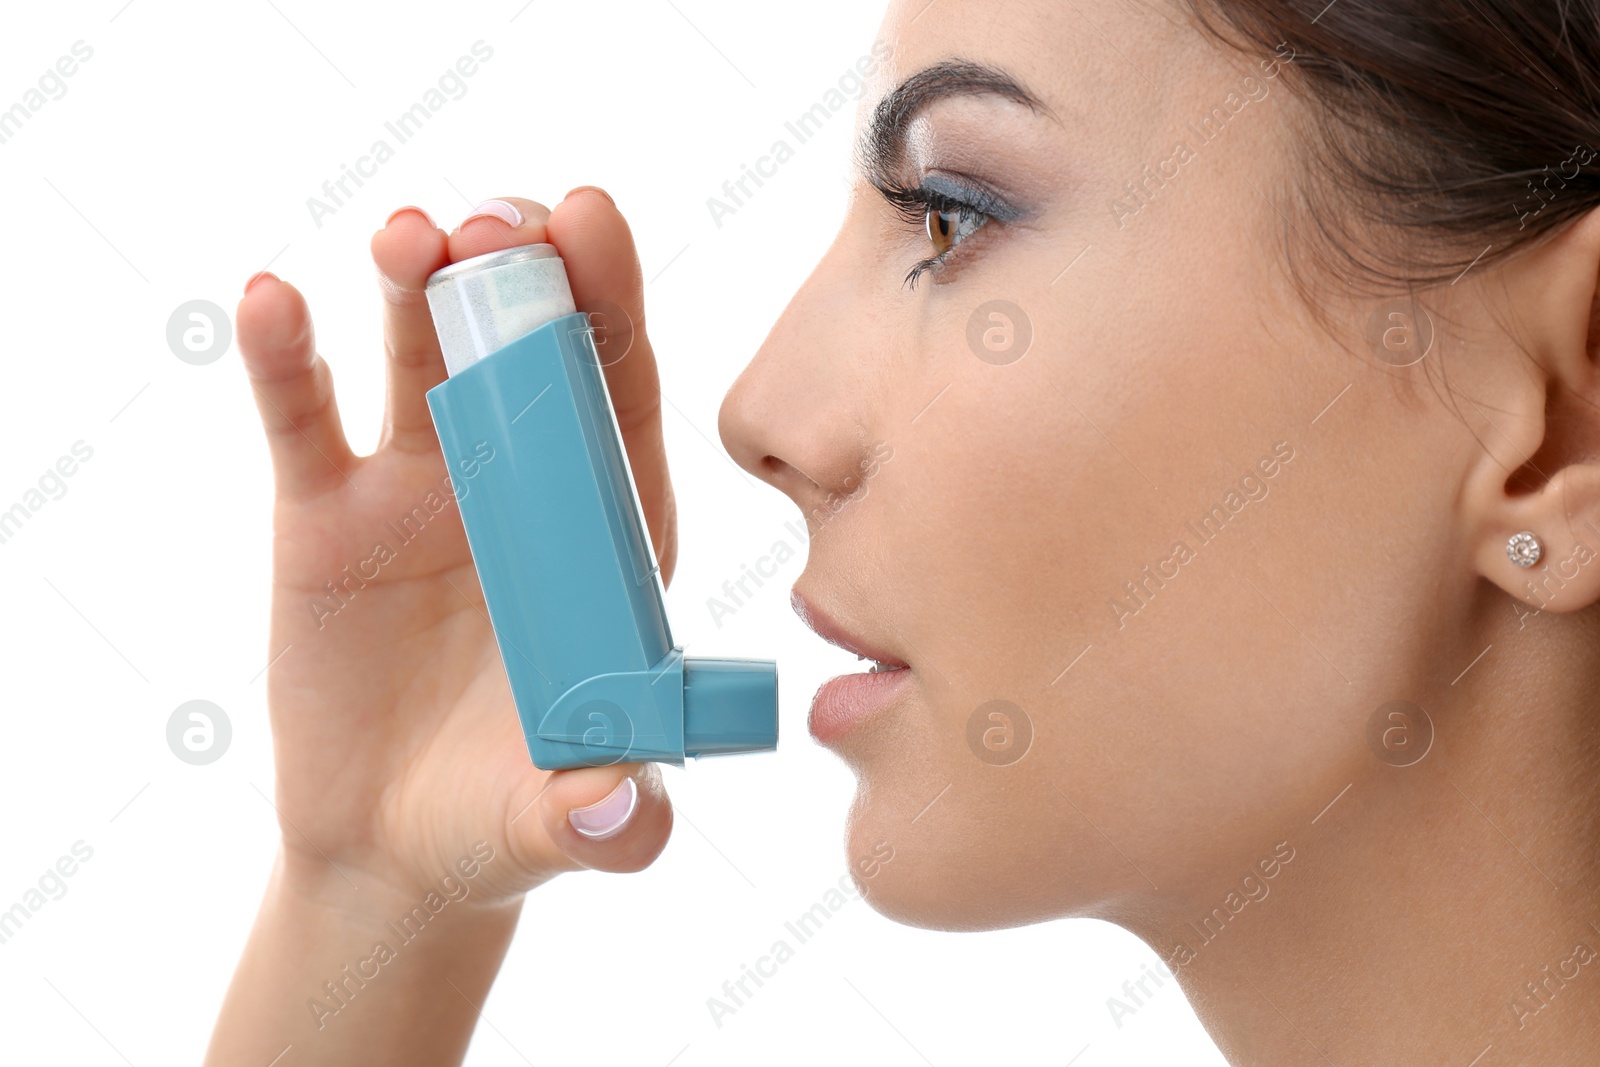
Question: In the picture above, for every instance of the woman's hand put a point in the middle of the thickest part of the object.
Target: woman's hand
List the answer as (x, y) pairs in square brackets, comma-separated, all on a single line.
[(399, 756)]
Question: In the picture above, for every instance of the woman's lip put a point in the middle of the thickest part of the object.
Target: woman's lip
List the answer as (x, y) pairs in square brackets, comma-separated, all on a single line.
[(844, 702), (835, 634)]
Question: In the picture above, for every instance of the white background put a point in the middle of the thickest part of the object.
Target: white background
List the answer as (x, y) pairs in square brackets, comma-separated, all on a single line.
[(177, 163)]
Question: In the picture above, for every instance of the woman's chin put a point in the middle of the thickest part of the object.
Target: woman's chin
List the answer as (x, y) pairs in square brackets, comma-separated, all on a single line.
[(937, 879)]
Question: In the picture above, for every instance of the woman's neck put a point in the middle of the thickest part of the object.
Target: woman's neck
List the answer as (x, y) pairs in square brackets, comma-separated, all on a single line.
[(1445, 911)]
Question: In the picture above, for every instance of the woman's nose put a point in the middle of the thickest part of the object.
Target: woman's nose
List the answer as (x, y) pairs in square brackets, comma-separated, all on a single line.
[(800, 416)]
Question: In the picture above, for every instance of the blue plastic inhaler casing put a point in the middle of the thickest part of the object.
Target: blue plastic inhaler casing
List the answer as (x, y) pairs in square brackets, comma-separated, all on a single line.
[(552, 515)]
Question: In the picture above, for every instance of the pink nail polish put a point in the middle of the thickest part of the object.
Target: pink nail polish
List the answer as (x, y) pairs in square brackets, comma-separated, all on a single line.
[(607, 818), (498, 209)]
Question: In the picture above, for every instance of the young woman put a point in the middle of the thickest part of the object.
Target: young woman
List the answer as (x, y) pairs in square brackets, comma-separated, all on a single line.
[(1239, 366)]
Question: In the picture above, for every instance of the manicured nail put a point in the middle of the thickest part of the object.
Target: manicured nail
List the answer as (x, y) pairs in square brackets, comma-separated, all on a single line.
[(256, 277), (596, 188), (498, 209), (411, 207), (609, 816)]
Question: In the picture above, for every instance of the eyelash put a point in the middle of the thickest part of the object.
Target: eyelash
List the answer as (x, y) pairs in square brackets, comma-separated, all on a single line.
[(915, 204)]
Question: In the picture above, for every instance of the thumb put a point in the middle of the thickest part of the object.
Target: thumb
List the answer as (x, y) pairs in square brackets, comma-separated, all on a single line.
[(614, 818)]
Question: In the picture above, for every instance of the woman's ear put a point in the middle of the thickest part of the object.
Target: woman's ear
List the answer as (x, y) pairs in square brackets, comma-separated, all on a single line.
[(1540, 469)]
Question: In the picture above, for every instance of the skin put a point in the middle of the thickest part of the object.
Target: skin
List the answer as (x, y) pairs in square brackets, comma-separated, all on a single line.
[(1207, 755), (396, 741)]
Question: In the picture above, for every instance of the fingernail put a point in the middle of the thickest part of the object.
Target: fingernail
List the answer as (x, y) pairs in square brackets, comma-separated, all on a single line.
[(609, 816), (256, 277), (499, 209), (411, 207), (596, 188)]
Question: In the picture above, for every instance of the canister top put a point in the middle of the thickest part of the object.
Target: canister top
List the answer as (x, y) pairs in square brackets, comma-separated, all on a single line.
[(482, 304)]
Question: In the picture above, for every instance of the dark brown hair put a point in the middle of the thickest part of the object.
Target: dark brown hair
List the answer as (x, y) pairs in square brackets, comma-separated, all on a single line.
[(1442, 133)]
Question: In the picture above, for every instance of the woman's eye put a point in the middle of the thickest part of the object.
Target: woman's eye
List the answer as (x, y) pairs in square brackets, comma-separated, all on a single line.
[(948, 211), (948, 227)]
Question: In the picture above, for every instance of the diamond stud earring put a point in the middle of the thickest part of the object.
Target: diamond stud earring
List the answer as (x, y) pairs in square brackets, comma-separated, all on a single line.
[(1524, 549)]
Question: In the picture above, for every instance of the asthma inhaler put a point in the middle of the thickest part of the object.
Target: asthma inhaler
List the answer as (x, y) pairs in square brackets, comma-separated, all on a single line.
[(553, 518)]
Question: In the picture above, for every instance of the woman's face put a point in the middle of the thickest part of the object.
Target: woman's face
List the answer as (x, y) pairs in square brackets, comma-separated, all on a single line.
[(1154, 545)]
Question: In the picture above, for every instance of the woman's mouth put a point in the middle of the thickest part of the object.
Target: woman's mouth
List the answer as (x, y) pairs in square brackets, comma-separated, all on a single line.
[(844, 702), (850, 699)]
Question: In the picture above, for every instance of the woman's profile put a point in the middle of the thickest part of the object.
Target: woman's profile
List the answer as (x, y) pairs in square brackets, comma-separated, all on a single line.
[(1213, 388)]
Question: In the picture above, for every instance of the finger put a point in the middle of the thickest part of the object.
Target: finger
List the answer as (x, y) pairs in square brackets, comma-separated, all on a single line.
[(603, 266), (293, 388), (508, 222), (408, 249), (608, 818)]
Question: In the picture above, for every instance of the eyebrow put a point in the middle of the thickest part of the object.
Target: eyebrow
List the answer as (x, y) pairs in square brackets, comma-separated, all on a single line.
[(884, 140)]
